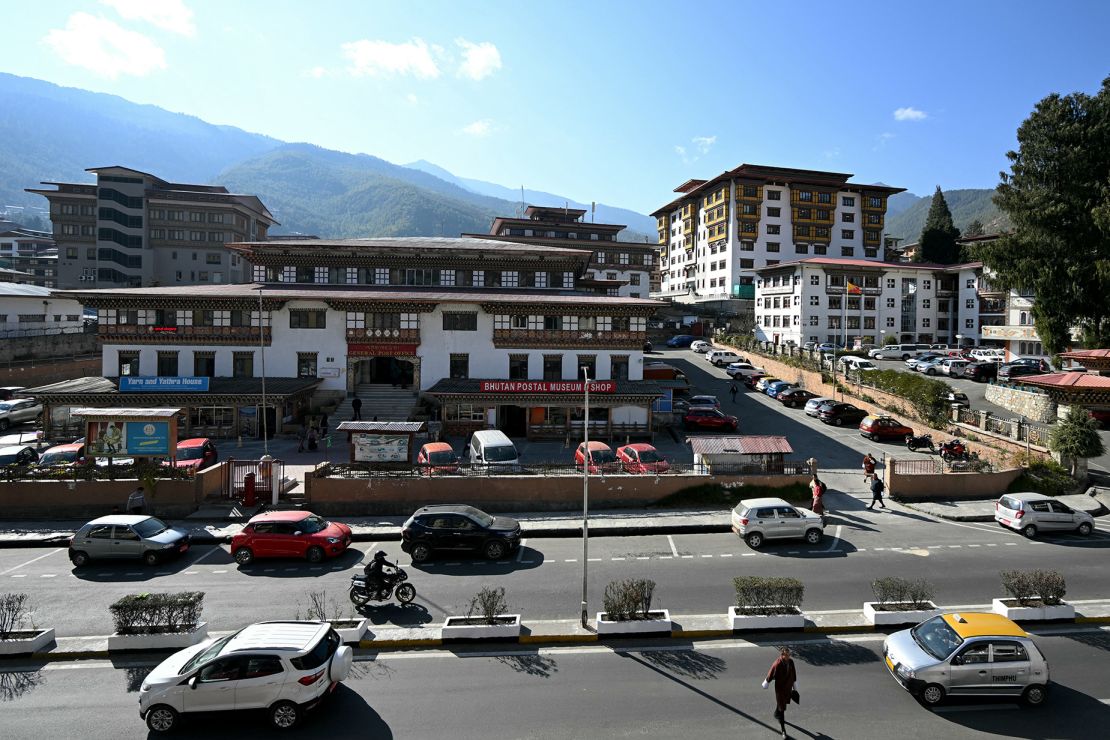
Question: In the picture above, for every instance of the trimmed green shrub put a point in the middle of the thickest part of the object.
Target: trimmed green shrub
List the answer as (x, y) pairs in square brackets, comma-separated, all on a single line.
[(1044, 476), (628, 599), (144, 614), (1027, 585), (762, 595), (892, 590)]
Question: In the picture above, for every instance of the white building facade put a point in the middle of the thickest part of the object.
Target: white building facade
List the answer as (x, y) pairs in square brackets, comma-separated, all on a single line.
[(32, 309)]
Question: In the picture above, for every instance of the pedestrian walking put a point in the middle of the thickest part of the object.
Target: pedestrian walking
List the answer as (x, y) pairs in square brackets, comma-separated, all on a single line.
[(877, 488), (302, 436), (817, 488), (869, 463), (312, 440), (356, 409), (136, 502), (733, 390), (785, 678)]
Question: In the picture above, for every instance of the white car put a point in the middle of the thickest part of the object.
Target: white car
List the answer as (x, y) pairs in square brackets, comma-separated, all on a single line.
[(952, 363), (18, 410), (1030, 513), (284, 668), (701, 346), (743, 370), (722, 357), (813, 404)]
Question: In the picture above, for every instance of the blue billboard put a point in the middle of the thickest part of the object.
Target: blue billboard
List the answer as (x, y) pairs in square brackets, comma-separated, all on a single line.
[(147, 438), (163, 384)]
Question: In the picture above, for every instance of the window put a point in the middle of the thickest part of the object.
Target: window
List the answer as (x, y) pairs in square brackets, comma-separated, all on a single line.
[(306, 364), (518, 367), (970, 303), (301, 318), (971, 283), (774, 212), (242, 365), (552, 367), (510, 279), (751, 191), (196, 236), (890, 322), (890, 303), (589, 362), (847, 251), (167, 364), (1008, 652), (204, 364), (925, 323), (774, 229), (619, 367), (927, 284), (71, 253), (747, 264), (216, 236), (747, 246), (460, 366), (824, 197), (848, 202), (460, 321), (196, 217), (969, 323), (128, 363), (552, 323), (774, 195), (925, 302), (773, 246), (805, 195), (847, 233)]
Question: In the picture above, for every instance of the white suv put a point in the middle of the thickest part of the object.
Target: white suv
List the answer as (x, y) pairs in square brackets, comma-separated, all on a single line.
[(286, 668), (722, 357)]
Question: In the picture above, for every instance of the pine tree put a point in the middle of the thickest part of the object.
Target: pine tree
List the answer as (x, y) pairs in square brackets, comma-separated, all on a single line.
[(938, 237), (975, 228)]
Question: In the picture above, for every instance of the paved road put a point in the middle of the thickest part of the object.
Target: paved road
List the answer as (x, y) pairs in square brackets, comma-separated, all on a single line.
[(708, 690)]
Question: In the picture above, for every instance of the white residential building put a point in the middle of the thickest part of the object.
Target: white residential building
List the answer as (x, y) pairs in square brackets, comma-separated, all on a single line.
[(33, 309)]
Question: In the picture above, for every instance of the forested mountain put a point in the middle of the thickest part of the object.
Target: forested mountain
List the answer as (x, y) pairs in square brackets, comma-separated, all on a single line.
[(906, 217)]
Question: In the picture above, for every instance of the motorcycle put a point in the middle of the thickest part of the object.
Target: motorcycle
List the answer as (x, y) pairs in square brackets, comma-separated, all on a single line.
[(953, 450), (362, 593), (919, 442)]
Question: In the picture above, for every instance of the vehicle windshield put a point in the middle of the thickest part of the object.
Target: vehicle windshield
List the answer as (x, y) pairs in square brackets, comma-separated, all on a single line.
[(650, 456), (936, 638), (602, 456), (313, 524), (443, 457), (58, 458), (480, 516), (150, 527), (205, 655), (9, 459), (505, 453), (190, 453), (5, 407)]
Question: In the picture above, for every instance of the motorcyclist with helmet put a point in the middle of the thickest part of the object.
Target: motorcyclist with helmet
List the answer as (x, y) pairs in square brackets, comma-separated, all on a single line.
[(376, 577)]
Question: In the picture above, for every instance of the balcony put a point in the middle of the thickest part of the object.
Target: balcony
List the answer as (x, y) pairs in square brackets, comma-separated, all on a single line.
[(1009, 332), (146, 334), (570, 339)]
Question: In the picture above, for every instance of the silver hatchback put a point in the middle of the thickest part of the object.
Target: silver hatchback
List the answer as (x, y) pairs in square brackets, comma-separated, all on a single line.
[(1031, 513), (760, 519), (125, 536)]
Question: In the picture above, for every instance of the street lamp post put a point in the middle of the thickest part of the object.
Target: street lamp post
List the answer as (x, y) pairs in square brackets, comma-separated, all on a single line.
[(959, 341), (585, 490)]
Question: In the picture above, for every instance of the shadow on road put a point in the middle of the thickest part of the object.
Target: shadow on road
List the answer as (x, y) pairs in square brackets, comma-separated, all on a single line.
[(526, 558), (1100, 640), (833, 652), (531, 664), (1068, 714), (400, 615), (688, 663), (14, 684)]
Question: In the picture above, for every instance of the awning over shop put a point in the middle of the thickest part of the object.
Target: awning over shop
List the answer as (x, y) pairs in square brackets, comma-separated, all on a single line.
[(103, 393)]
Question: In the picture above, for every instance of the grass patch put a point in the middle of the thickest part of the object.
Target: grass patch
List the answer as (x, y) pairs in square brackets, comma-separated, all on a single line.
[(719, 495)]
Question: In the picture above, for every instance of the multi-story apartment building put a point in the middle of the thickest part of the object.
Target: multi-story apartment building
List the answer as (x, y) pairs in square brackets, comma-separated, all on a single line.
[(617, 268), (496, 331), (845, 301), (133, 229), (718, 232), (31, 252)]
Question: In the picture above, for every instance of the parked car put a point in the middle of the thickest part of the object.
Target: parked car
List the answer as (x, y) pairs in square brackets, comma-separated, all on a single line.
[(60, 456), (813, 405), (967, 654), (30, 439), (897, 352), (930, 367), (642, 458), (979, 371), (458, 527), (602, 458), (8, 392), (1036, 362), (772, 389), (878, 428), (701, 346), (682, 405), (915, 363), (793, 398), (662, 371), (290, 534), (809, 346), (283, 668), (704, 417), (752, 380), (722, 357), (950, 366), (437, 458), (839, 414), (959, 399), (18, 456), (824, 347), (1031, 513), (762, 383), (742, 369), (1013, 372), (1102, 416), (757, 520), (127, 536), (18, 411), (197, 453), (939, 348), (681, 340), (857, 364)]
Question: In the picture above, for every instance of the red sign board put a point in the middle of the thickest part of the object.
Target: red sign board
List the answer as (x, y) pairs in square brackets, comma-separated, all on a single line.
[(380, 350), (546, 386), (164, 329)]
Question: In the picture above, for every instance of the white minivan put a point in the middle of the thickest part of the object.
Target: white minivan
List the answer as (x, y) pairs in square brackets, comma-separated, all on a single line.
[(490, 448)]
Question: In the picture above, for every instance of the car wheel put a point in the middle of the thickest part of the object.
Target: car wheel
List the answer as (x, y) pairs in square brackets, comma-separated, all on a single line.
[(4, 424), (930, 371), (406, 592), (932, 695), (150, 558), (838, 422), (79, 558), (874, 437), (495, 550), (1029, 530), (244, 556), (754, 540), (284, 715), (161, 718), (314, 554), (813, 536), (420, 552), (1084, 529), (1034, 695)]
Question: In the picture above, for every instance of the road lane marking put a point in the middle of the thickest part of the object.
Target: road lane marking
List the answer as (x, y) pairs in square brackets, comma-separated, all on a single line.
[(686, 557), (974, 545), (707, 556), (268, 570), (49, 575), (32, 560), (20, 575), (520, 550), (726, 555), (219, 571), (674, 550), (202, 556), (571, 560), (666, 557), (835, 541), (616, 558), (594, 560)]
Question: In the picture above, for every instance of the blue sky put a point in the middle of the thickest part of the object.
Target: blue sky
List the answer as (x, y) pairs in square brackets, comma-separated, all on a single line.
[(617, 102)]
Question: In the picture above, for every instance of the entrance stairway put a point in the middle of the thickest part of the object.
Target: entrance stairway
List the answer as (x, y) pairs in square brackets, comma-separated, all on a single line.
[(378, 399)]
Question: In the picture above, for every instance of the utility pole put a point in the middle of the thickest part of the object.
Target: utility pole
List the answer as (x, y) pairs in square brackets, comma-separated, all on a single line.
[(585, 491)]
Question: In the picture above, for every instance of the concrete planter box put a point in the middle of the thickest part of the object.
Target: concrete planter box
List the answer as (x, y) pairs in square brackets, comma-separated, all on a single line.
[(462, 628), (1060, 612), (350, 630), (881, 617), (165, 641), (740, 621), (659, 622), (25, 642)]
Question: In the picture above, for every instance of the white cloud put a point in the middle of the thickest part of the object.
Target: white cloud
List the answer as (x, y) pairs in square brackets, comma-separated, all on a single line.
[(315, 73), (881, 140), (479, 60), (383, 59), (169, 15), (909, 114), (482, 127), (704, 143), (412, 99), (105, 48), (832, 153)]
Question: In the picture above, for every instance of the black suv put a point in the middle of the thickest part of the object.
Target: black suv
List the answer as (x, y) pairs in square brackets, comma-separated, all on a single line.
[(458, 527)]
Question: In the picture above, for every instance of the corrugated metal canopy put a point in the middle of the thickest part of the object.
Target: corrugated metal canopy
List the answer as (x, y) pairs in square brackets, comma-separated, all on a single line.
[(741, 445), (132, 413), (381, 426)]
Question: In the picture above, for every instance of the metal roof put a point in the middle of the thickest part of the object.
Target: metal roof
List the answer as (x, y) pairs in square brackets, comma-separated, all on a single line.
[(421, 243), (1067, 380), (136, 413), (380, 426), (741, 445)]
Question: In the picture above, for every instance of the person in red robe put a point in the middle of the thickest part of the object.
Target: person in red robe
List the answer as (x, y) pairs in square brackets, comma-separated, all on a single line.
[(785, 677)]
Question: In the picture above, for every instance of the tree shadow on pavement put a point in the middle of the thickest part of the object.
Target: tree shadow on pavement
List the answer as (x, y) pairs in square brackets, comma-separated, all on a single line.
[(1100, 640), (688, 663), (401, 615), (833, 652), (532, 664), (14, 684)]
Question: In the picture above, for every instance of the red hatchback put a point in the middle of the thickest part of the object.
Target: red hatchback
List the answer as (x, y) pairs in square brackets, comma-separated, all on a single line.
[(290, 534), (602, 459), (883, 427), (197, 453), (642, 458), (707, 417)]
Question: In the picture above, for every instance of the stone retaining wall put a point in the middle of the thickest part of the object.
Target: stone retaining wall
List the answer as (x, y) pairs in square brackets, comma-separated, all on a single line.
[(1036, 407)]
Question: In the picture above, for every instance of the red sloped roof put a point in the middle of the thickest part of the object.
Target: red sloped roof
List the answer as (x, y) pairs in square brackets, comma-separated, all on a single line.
[(1087, 354), (1067, 380)]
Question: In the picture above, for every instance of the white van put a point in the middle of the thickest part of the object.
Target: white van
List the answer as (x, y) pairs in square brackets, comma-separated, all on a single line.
[(898, 352), (491, 448), (857, 364)]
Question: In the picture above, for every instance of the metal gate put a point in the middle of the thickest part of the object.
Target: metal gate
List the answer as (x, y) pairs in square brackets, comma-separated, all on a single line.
[(267, 477)]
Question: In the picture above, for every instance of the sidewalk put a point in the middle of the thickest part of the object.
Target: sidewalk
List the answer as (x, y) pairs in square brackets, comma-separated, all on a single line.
[(1095, 502), (563, 631)]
